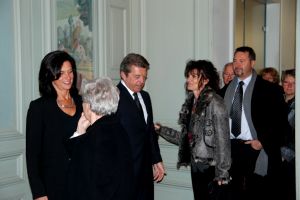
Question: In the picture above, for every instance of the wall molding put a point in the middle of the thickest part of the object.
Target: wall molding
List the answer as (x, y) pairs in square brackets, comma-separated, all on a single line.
[(99, 37), (15, 160), (143, 25), (48, 25)]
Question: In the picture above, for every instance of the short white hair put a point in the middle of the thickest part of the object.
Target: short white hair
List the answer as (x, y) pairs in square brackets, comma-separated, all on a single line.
[(101, 94)]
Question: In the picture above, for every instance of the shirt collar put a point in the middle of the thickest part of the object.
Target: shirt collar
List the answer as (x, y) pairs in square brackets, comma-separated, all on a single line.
[(246, 80), (129, 90)]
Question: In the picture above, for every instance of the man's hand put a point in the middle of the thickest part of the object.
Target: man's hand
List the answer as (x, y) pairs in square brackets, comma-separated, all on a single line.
[(158, 172), (255, 144), (42, 198)]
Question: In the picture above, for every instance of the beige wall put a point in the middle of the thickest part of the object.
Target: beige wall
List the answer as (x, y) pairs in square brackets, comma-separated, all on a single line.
[(288, 33), (249, 28)]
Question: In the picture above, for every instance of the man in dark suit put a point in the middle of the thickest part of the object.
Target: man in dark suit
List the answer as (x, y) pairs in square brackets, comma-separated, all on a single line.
[(255, 147), (135, 113)]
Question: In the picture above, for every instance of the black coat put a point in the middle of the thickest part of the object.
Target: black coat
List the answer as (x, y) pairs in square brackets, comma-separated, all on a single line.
[(269, 116), (101, 166), (143, 141), (47, 127)]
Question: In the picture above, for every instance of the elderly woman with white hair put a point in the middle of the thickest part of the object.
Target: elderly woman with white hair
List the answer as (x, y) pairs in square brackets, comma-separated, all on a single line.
[(100, 159)]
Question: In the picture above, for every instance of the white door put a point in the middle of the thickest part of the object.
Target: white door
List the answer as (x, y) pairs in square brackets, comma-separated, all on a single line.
[(13, 178), (118, 29)]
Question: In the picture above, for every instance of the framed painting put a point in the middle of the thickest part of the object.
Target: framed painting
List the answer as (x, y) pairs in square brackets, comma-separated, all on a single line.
[(74, 29)]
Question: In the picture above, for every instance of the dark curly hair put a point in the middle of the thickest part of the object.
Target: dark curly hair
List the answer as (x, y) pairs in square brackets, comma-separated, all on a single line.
[(207, 70), (50, 71)]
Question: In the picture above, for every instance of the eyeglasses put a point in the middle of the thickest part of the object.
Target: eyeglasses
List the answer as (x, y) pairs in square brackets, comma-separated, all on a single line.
[(228, 75)]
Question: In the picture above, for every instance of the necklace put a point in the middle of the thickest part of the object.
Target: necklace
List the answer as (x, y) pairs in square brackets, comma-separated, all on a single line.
[(65, 106)]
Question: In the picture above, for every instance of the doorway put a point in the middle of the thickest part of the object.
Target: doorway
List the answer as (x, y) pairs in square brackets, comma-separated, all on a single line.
[(269, 27)]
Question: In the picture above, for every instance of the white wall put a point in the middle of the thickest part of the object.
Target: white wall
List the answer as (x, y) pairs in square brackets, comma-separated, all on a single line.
[(223, 32), (172, 38)]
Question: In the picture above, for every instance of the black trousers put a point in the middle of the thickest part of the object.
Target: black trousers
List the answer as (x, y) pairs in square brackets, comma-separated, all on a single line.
[(245, 184), (200, 181), (204, 186), (289, 180)]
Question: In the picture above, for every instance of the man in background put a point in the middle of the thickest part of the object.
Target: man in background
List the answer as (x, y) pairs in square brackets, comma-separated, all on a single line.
[(258, 119), (228, 73)]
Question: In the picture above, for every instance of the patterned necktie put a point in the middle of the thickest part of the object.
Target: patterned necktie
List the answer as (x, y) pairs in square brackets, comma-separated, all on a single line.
[(236, 110), (138, 104)]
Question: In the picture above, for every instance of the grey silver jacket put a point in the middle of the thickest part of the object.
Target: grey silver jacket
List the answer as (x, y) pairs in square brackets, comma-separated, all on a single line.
[(204, 135)]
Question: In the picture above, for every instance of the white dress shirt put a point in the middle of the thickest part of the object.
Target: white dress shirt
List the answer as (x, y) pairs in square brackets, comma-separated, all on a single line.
[(140, 99), (245, 130)]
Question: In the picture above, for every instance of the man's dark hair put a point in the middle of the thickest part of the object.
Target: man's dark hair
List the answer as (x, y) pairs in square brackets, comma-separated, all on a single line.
[(244, 49), (133, 59)]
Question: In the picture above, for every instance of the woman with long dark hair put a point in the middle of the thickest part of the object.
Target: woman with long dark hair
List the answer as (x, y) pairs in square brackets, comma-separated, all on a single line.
[(51, 120)]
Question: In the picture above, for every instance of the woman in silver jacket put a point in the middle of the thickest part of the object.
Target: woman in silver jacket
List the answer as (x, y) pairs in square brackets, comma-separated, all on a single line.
[(204, 139)]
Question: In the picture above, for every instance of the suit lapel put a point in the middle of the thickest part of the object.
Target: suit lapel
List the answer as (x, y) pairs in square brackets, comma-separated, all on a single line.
[(128, 102)]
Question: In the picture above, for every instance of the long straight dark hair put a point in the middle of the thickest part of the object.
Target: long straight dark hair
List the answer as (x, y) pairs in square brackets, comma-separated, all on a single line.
[(50, 70)]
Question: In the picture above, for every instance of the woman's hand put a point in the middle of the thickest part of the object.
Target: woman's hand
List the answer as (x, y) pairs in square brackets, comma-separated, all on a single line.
[(222, 182), (157, 126)]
